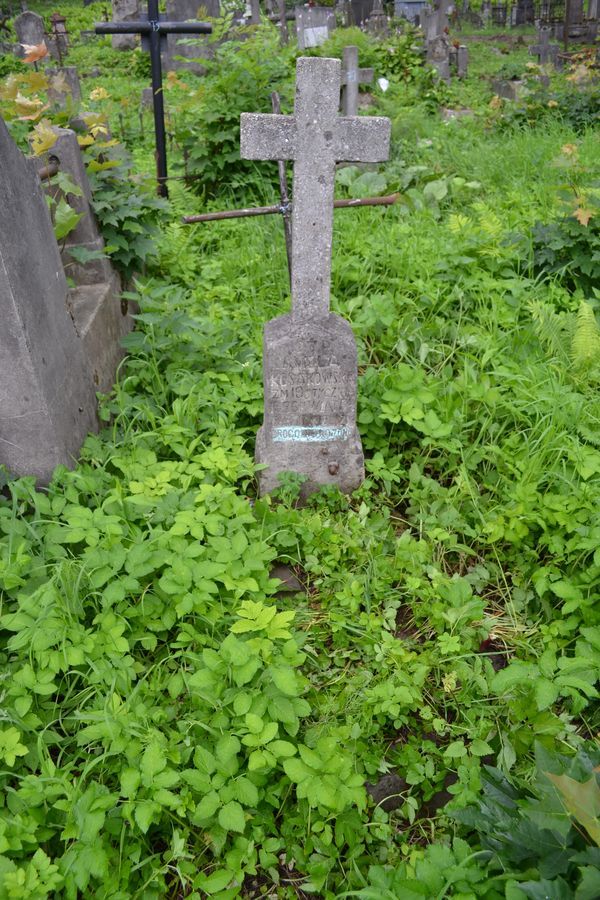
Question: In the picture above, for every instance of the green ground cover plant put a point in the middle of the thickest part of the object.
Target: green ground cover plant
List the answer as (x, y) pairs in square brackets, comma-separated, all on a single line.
[(405, 723)]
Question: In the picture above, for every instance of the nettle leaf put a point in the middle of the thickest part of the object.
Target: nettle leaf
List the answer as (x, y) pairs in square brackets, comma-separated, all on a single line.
[(153, 761), (285, 680), (145, 813), (231, 817), (208, 806), (245, 791), (130, 781), (215, 882)]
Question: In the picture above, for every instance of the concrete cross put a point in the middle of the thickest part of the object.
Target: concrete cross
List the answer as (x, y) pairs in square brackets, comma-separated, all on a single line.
[(544, 50), (352, 76), (315, 137)]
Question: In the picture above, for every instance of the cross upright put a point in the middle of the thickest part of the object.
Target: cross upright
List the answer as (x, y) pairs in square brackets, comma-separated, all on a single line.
[(544, 50), (352, 76), (315, 138), (153, 30), (309, 355)]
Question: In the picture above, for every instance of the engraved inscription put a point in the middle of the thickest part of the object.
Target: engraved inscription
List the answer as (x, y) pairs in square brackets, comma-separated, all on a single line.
[(310, 433)]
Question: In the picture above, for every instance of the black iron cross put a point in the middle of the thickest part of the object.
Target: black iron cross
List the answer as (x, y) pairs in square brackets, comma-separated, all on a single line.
[(154, 31)]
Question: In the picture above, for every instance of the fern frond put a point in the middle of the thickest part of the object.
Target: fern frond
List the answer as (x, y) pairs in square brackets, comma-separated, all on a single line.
[(588, 422), (585, 344), (551, 329)]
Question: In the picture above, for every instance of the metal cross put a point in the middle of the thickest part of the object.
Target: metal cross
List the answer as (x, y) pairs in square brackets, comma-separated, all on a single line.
[(315, 137), (154, 31)]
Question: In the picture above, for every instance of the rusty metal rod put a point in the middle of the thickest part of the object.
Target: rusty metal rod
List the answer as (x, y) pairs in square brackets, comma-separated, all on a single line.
[(49, 171), (389, 200)]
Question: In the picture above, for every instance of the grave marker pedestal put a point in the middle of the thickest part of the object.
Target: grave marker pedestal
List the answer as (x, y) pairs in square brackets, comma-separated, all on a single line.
[(310, 364)]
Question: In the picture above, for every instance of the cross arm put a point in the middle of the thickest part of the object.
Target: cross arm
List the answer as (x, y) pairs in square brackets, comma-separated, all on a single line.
[(363, 140), (363, 76), (267, 136), (145, 26)]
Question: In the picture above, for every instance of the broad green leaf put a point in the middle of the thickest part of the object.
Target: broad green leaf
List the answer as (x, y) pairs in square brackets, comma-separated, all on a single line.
[(130, 781), (581, 800), (214, 883), (65, 219), (144, 813), (285, 680), (153, 761), (545, 692), (231, 817), (455, 750), (208, 806)]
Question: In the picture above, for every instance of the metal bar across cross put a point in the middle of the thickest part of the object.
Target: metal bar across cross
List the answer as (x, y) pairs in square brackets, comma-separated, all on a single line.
[(154, 29), (315, 138)]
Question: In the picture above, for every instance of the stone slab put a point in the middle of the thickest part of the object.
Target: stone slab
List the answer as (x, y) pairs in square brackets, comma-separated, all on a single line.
[(314, 25), (101, 321), (185, 11), (310, 374), (125, 11), (47, 398)]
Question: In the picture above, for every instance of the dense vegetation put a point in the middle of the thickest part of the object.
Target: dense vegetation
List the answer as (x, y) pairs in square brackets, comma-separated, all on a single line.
[(415, 716)]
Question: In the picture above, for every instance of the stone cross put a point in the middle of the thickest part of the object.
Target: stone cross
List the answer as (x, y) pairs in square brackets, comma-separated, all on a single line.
[(352, 76), (310, 364), (544, 50)]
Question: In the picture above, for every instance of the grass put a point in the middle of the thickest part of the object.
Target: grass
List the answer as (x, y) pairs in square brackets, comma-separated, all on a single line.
[(182, 727)]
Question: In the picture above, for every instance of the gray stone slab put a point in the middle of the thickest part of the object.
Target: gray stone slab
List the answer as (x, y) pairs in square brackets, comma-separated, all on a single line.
[(47, 398), (64, 89), (310, 366), (30, 29), (185, 11), (314, 25), (125, 11), (95, 301)]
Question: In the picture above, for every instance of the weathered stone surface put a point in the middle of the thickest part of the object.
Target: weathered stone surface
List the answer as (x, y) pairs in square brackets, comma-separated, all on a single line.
[(462, 61), (310, 366), (314, 25), (184, 11), (290, 583), (30, 29), (147, 98), (95, 300), (310, 373), (47, 399), (509, 90), (438, 55), (64, 89), (411, 10), (125, 11), (352, 76)]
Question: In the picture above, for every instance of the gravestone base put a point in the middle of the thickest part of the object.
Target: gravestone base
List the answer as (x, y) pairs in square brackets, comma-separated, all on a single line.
[(92, 271), (101, 323), (310, 372)]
